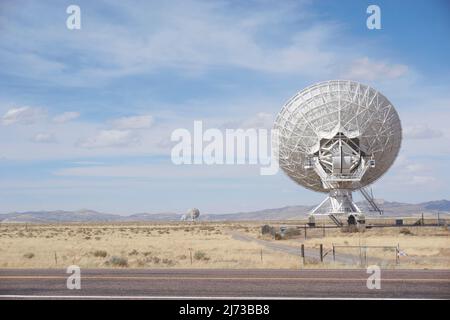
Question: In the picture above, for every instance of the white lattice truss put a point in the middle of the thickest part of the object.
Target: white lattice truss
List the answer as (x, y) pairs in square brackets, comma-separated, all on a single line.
[(337, 136)]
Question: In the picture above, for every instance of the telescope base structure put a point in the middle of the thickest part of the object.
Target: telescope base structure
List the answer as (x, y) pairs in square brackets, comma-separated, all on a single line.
[(339, 202)]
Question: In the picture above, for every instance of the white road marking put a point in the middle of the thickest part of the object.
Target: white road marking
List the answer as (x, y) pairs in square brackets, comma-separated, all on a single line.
[(194, 298)]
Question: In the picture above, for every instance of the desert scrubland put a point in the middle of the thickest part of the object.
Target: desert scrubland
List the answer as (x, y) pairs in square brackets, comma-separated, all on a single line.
[(208, 245)]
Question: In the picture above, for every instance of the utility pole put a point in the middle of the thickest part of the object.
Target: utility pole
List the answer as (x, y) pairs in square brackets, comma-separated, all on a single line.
[(303, 253)]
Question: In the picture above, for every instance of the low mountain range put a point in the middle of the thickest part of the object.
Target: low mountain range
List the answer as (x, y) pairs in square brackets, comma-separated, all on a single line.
[(285, 213)]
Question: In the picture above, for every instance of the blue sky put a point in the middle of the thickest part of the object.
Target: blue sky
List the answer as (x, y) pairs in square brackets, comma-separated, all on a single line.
[(86, 115)]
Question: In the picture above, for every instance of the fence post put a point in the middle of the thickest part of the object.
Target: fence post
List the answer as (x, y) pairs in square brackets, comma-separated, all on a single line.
[(365, 257), (334, 254), (323, 229), (261, 256), (360, 254), (439, 220), (397, 253), (423, 221), (303, 253), (56, 259), (321, 252), (305, 231)]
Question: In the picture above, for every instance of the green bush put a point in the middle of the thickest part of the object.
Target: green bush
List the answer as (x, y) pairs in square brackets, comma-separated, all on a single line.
[(406, 231), (29, 255), (100, 253), (200, 255), (134, 252), (118, 261)]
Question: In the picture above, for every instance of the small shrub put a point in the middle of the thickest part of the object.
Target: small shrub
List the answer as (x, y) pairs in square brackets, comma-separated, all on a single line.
[(200, 255), (118, 261), (29, 255), (406, 231), (133, 253), (100, 253), (350, 229), (168, 262), (141, 262), (291, 232), (155, 260)]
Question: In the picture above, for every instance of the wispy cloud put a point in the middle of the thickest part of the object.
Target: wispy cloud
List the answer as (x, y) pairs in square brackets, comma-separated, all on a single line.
[(44, 137), (23, 115), (66, 117), (162, 171), (133, 122), (422, 132), (369, 70), (204, 36), (110, 138)]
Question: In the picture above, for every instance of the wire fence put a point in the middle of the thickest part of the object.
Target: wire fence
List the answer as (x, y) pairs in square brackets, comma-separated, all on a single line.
[(364, 255), (355, 255)]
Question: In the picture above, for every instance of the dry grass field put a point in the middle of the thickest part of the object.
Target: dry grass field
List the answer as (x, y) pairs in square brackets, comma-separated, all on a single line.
[(203, 245), (420, 247), (134, 246)]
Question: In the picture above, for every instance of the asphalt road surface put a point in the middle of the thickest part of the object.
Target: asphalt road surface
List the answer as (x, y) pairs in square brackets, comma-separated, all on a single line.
[(222, 284)]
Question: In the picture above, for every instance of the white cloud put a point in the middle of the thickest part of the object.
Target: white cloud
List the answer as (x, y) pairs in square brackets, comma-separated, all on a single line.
[(428, 181), (44, 137), (66, 116), (416, 168), (23, 115), (206, 36), (87, 163), (260, 120), (133, 122), (368, 69), (163, 171), (110, 138), (421, 132)]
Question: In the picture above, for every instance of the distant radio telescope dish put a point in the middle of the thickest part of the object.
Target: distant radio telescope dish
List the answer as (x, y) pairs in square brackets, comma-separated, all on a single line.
[(336, 137), (191, 215)]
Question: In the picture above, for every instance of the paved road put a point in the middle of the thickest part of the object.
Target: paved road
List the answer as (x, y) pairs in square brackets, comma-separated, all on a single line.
[(218, 283)]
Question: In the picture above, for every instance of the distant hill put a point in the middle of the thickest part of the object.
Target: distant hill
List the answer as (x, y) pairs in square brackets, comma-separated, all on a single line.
[(440, 205), (284, 213), (59, 216), (164, 216)]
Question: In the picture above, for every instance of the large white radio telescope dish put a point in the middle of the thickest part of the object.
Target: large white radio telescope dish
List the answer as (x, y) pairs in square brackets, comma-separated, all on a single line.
[(337, 136), (191, 215)]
